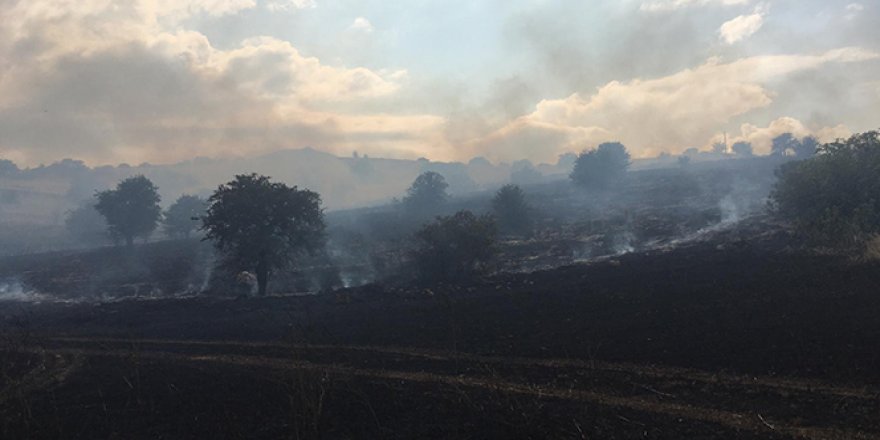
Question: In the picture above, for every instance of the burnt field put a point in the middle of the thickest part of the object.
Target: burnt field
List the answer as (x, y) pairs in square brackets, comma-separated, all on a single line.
[(735, 335)]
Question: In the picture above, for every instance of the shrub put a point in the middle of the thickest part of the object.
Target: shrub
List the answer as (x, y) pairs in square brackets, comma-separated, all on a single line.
[(453, 246), (833, 198)]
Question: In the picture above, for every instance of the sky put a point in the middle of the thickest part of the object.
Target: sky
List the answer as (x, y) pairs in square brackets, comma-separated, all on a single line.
[(162, 81)]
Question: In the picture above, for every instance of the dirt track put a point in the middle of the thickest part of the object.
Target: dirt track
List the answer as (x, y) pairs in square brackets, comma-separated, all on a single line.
[(760, 404)]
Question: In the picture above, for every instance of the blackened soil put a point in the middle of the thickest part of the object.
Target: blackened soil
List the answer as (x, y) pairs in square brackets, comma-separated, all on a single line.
[(704, 341)]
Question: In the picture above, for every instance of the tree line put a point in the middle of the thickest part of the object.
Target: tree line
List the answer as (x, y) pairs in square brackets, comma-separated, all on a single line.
[(831, 195)]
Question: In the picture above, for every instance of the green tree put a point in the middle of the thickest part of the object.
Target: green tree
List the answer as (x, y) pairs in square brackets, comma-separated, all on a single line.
[(834, 197), (262, 225), (602, 167), (427, 193), (181, 218), (131, 210), (454, 246), (511, 210)]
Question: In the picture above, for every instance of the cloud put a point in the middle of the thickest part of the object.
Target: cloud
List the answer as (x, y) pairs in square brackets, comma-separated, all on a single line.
[(671, 5), (163, 80), (668, 113), (853, 10), (289, 5), (110, 84), (361, 24), (743, 26), (275, 69)]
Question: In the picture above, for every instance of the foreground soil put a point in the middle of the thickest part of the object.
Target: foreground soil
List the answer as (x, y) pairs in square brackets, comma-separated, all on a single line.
[(713, 340)]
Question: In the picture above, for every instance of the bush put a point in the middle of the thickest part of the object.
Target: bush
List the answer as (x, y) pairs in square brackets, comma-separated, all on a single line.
[(602, 167), (454, 246), (833, 198)]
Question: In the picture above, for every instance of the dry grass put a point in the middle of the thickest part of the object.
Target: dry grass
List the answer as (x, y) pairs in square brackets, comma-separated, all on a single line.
[(872, 248)]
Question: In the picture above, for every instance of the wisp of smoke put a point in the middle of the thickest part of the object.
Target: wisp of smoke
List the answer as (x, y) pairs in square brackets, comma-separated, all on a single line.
[(11, 289)]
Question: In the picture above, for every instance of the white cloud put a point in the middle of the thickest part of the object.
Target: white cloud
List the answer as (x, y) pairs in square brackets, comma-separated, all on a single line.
[(125, 82), (274, 69), (855, 7), (671, 5), (361, 24), (853, 10), (289, 5), (743, 26), (664, 114)]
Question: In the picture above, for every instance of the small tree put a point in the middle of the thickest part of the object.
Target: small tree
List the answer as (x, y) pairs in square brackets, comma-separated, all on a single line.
[(458, 245), (426, 193), (742, 149), (512, 211), (602, 167), (182, 217), (788, 145), (783, 145), (833, 197), (131, 210), (261, 225)]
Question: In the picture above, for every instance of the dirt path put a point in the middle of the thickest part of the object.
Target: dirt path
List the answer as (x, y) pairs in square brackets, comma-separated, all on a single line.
[(652, 371), (757, 404)]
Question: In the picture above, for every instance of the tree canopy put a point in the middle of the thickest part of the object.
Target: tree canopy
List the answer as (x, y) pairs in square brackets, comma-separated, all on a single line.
[(131, 209), (426, 193), (601, 167), (788, 145), (182, 217), (262, 225), (833, 197)]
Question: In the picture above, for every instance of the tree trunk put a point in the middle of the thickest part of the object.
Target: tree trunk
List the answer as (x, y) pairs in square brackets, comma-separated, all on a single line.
[(262, 276)]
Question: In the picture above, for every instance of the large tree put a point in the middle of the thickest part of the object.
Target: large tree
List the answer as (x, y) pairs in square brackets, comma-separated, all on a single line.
[(131, 209), (602, 167), (261, 225), (181, 218), (427, 193)]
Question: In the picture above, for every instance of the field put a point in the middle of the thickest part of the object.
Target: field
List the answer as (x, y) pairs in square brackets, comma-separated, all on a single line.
[(738, 335)]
